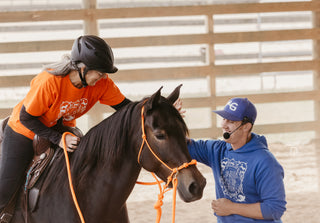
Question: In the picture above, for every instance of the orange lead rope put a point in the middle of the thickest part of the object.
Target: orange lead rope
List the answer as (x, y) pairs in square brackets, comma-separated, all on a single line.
[(172, 178), (70, 177)]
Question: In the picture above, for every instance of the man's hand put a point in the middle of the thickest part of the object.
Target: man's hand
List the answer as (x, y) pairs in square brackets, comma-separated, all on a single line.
[(71, 142), (225, 207), (222, 207), (178, 105)]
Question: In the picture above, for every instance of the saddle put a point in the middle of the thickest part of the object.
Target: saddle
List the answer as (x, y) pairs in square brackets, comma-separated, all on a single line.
[(44, 154)]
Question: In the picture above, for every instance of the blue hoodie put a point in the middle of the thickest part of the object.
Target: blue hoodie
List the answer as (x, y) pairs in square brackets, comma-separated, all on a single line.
[(249, 174)]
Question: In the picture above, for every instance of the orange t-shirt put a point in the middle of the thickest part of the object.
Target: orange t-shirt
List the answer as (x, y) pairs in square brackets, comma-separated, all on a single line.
[(52, 97)]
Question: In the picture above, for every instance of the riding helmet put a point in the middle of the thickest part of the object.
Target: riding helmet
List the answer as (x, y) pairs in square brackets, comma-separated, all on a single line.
[(94, 52)]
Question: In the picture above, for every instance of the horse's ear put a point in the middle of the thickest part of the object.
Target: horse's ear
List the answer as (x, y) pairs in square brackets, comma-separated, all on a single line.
[(153, 100), (174, 95)]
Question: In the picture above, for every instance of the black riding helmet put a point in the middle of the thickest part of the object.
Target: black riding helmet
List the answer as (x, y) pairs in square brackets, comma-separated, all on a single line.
[(95, 53)]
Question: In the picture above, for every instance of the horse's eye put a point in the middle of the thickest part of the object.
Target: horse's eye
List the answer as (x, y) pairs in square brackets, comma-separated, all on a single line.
[(160, 136)]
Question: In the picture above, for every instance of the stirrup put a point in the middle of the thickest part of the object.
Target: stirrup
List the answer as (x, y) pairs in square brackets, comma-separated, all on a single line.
[(5, 217)]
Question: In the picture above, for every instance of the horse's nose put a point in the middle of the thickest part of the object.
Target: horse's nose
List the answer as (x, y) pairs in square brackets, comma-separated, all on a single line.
[(196, 188)]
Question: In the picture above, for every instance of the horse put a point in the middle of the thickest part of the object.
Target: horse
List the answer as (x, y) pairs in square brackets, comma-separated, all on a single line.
[(107, 162)]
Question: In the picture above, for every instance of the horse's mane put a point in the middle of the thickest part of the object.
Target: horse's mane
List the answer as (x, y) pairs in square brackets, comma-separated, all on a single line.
[(103, 144), (110, 135)]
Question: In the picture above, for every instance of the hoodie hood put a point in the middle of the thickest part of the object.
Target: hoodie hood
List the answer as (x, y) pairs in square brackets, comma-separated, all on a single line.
[(257, 142)]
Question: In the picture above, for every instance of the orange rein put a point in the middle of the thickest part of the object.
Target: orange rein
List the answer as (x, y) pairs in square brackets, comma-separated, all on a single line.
[(172, 178), (70, 177)]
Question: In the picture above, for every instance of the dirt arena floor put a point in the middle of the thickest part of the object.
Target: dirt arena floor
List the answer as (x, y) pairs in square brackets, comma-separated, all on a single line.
[(302, 170)]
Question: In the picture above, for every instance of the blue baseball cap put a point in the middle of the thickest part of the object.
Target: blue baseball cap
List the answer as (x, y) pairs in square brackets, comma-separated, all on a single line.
[(239, 109)]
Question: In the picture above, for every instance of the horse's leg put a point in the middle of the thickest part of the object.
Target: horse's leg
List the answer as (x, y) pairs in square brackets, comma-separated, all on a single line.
[(123, 215)]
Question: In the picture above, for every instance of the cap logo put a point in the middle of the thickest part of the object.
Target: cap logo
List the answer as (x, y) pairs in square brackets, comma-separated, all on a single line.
[(232, 105)]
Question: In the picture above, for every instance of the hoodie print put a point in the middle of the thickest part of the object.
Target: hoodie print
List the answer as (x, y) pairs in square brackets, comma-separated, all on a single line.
[(231, 179)]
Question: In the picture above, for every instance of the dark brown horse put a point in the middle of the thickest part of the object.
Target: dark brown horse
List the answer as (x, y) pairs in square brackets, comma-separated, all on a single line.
[(105, 167)]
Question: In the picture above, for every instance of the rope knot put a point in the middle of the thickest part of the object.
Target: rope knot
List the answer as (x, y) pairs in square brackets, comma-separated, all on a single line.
[(185, 165), (170, 177), (159, 202), (193, 162)]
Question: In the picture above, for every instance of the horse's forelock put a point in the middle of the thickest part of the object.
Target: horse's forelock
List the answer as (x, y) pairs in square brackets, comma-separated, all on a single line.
[(171, 115)]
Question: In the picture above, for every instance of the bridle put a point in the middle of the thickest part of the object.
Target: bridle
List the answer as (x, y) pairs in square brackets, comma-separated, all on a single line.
[(172, 178)]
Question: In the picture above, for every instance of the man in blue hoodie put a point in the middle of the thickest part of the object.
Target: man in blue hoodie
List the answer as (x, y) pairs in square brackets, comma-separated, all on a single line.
[(248, 178)]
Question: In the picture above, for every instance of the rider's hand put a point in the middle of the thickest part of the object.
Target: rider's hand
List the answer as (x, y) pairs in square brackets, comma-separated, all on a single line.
[(178, 105), (71, 142)]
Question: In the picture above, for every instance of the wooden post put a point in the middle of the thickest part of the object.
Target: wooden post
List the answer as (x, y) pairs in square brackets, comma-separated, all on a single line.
[(91, 27), (90, 21), (212, 77), (316, 81), (316, 73)]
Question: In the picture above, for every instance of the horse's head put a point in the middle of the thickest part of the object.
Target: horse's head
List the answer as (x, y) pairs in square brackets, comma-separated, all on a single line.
[(165, 132)]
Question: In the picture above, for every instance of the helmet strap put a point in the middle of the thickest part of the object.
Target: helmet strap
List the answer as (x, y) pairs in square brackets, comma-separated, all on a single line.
[(82, 76)]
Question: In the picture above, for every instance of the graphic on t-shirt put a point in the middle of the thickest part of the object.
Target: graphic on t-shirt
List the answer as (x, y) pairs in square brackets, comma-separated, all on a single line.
[(231, 179), (68, 109)]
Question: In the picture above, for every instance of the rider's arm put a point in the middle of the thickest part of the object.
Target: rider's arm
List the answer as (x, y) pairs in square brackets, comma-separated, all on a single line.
[(122, 104), (35, 125)]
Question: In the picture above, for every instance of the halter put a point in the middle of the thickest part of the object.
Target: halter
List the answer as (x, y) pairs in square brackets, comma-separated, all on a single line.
[(171, 178)]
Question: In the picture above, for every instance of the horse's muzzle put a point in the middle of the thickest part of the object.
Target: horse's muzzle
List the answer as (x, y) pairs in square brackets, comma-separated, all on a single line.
[(191, 184)]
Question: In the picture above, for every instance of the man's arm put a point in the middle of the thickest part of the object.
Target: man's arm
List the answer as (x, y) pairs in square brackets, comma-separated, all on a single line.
[(225, 207)]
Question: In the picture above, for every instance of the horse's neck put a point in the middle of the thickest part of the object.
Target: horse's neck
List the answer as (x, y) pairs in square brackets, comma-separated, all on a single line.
[(114, 183), (111, 188)]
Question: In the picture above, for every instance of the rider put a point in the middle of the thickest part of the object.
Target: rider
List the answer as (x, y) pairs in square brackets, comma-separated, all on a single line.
[(63, 90)]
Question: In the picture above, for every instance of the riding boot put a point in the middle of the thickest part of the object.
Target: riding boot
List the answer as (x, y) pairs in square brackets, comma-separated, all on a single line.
[(17, 153)]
